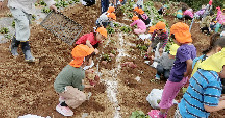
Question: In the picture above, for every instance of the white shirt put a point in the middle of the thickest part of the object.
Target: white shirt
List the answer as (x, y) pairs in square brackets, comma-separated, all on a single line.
[(26, 5)]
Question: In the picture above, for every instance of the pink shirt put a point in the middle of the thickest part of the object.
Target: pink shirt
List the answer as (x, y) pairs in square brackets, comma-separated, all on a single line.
[(140, 24), (221, 19), (189, 13)]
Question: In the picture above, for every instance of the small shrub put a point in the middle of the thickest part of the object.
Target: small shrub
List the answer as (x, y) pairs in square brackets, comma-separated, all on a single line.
[(4, 30)]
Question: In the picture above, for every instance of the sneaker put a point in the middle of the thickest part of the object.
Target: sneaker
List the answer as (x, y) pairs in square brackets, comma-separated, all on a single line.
[(157, 77), (64, 110), (61, 99)]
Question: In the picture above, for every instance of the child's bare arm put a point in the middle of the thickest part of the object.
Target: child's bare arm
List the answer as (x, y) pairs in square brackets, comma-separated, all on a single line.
[(88, 43), (189, 68), (220, 106)]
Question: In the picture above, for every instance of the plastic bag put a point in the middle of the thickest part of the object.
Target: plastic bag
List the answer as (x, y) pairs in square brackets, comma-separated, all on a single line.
[(32, 116), (153, 97)]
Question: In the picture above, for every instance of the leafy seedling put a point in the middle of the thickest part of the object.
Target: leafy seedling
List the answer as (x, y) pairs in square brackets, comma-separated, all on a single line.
[(110, 30), (42, 3), (70, 2), (8, 36), (106, 57), (9, 14), (139, 114), (158, 101), (33, 17), (130, 15), (46, 10), (113, 52), (115, 24), (4, 30), (13, 24)]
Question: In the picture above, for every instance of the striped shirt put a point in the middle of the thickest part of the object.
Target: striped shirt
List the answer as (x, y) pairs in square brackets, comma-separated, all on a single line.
[(204, 89), (163, 36)]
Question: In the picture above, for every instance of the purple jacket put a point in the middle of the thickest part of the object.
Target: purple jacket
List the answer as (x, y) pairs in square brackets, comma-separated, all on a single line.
[(201, 12)]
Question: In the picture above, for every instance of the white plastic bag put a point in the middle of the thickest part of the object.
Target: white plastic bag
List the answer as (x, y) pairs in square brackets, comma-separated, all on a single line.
[(153, 97)]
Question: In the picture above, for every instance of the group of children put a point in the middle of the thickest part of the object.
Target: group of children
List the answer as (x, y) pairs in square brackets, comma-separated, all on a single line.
[(179, 66)]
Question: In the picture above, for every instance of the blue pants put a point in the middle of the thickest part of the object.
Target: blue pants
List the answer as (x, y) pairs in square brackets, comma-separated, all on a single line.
[(105, 5), (217, 27), (162, 71)]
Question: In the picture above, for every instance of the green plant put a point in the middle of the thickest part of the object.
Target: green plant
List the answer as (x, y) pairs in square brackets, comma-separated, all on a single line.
[(113, 52), (9, 14), (13, 24), (158, 101), (142, 47), (33, 17), (70, 2), (115, 24), (107, 57), (46, 10), (7, 36), (110, 30), (76, 1), (4, 30), (139, 114), (130, 15), (42, 3), (125, 29)]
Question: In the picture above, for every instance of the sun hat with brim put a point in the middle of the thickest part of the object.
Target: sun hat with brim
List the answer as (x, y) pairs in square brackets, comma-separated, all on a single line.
[(102, 31), (111, 9), (152, 29), (136, 9), (78, 53), (135, 18), (140, 11), (112, 15), (214, 62), (173, 49), (181, 32), (161, 26)]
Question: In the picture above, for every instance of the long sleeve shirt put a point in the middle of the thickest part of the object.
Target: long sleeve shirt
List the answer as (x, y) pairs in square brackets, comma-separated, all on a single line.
[(26, 5), (165, 62), (90, 37), (221, 19), (104, 18), (163, 36), (69, 76), (189, 13), (140, 24)]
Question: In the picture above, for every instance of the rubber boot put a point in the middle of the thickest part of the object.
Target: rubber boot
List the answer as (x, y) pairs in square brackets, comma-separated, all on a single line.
[(26, 50), (14, 45)]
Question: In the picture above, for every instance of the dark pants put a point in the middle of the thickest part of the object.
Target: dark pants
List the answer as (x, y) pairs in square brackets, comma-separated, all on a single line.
[(105, 24), (160, 11), (162, 71), (105, 5), (95, 46), (207, 29), (187, 17)]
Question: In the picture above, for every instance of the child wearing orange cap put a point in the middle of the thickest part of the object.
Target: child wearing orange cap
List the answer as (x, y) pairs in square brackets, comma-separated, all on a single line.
[(160, 35), (105, 19), (68, 83), (181, 69), (141, 28), (93, 38), (144, 17)]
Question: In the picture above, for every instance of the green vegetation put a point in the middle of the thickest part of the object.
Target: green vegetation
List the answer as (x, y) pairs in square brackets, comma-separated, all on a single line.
[(46, 10), (139, 114), (4, 30), (13, 24), (125, 29), (110, 30), (106, 57)]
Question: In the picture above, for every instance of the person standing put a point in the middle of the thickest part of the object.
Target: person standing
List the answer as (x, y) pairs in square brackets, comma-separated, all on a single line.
[(22, 11)]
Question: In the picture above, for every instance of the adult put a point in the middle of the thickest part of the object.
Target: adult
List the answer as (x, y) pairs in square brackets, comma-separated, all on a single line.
[(22, 11), (105, 5)]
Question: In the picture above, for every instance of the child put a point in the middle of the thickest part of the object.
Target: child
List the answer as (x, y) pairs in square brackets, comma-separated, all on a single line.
[(162, 9), (144, 17), (181, 68), (213, 24), (208, 9), (140, 4), (204, 91), (148, 41), (179, 14), (160, 35), (165, 62), (205, 24), (105, 19), (92, 39), (187, 14), (199, 14), (68, 83), (221, 20), (141, 28)]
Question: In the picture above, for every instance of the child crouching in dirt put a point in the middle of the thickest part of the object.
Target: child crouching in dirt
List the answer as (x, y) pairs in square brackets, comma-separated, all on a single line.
[(181, 69), (160, 35), (144, 17), (105, 19), (165, 62), (221, 20), (93, 38), (205, 24), (203, 95), (141, 28), (187, 14), (68, 83)]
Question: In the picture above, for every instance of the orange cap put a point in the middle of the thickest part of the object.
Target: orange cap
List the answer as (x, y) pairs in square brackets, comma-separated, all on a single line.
[(111, 9), (140, 11), (181, 31), (136, 9), (112, 15), (135, 18), (160, 25), (78, 54), (120, 0), (152, 29), (102, 31)]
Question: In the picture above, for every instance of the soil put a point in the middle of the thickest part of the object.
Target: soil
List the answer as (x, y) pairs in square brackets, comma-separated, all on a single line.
[(28, 88)]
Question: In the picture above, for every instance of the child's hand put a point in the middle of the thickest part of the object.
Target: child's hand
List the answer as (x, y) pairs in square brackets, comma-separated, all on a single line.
[(89, 71), (89, 86), (96, 51), (152, 57)]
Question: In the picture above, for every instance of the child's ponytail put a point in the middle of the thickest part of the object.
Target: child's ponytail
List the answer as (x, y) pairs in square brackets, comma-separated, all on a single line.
[(215, 41)]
